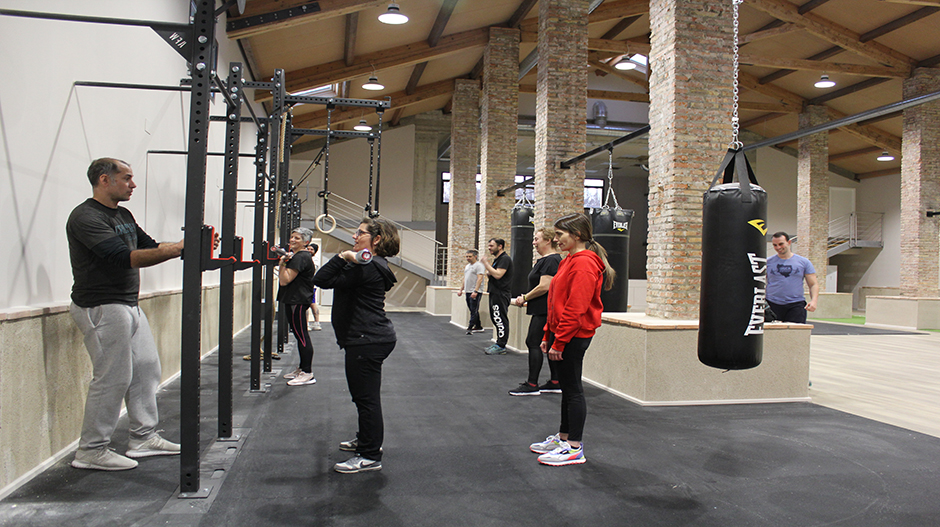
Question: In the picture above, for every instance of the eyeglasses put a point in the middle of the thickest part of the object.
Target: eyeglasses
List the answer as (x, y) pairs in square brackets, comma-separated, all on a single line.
[(359, 233)]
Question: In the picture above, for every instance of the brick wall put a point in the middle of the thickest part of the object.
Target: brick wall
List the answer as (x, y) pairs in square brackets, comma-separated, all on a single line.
[(464, 157), (920, 187), (499, 117), (812, 193), (560, 108), (690, 115)]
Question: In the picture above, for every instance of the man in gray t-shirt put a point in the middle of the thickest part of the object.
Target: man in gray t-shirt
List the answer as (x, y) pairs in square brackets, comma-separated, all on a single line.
[(472, 283), (106, 249)]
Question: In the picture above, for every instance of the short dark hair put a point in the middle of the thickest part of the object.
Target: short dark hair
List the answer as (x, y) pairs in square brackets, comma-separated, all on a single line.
[(389, 242), (498, 241), (781, 234), (314, 246), (474, 252), (105, 165)]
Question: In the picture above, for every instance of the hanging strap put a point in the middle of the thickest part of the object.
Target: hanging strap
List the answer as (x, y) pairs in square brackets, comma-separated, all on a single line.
[(741, 172), (610, 180)]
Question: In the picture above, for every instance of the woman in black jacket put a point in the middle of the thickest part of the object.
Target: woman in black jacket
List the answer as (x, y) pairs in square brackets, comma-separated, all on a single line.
[(360, 281)]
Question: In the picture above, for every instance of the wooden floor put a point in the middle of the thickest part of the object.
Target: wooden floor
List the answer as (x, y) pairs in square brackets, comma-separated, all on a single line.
[(894, 379)]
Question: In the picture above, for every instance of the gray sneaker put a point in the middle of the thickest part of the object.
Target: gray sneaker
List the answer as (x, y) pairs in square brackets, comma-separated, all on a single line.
[(155, 446), (357, 464), (349, 446), (102, 459)]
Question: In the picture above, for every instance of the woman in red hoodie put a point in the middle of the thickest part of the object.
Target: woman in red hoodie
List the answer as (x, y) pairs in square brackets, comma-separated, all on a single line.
[(574, 312)]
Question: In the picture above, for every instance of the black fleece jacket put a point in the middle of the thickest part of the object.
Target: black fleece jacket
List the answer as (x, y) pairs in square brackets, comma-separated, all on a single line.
[(358, 314)]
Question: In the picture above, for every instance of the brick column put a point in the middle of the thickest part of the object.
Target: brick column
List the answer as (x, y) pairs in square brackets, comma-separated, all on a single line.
[(464, 157), (560, 108), (690, 115), (499, 117), (812, 193), (920, 187)]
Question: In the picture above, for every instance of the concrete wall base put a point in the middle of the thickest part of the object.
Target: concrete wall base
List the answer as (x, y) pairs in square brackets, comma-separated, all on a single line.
[(46, 371), (903, 312), (438, 300), (654, 361), (832, 305)]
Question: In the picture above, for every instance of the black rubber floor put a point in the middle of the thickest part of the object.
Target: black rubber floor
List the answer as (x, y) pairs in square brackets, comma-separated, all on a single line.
[(456, 454)]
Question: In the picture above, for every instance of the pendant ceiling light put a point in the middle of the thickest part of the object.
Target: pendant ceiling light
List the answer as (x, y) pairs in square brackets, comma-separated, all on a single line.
[(824, 82), (885, 156), (373, 84), (625, 64), (363, 126), (393, 15)]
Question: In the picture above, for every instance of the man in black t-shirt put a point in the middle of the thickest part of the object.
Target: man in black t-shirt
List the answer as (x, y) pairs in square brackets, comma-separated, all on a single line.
[(106, 249), (499, 274)]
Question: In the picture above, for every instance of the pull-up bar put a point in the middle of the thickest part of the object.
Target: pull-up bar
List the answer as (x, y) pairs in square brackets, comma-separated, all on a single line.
[(608, 146)]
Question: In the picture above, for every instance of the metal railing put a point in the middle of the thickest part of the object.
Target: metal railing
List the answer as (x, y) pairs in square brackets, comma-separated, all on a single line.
[(857, 229), (418, 251)]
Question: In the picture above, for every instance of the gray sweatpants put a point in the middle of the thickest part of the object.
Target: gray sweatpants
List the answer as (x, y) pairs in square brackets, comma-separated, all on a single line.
[(125, 367)]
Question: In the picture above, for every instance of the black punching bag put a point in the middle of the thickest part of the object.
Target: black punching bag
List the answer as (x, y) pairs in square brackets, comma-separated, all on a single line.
[(612, 230), (734, 268), (520, 244)]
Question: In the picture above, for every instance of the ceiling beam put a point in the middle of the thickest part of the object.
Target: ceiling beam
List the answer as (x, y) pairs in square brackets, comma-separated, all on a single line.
[(775, 31), (620, 47), (406, 55), (520, 13), (443, 16), (898, 23), (879, 173), (854, 153), (868, 133), (609, 10), (822, 55), (317, 119), (620, 27), (818, 65), (834, 33), (848, 90), (789, 99), (349, 46), (914, 2), (269, 21)]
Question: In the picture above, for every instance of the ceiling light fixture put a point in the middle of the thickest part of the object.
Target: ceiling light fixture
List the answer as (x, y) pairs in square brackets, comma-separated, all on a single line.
[(363, 126), (824, 82), (885, 156), (393, 15), (373, 84), (625, 65)]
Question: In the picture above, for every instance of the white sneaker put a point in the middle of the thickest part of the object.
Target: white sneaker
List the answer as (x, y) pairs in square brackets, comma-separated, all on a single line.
[(314, 326), (293, 374), (302, 378), (357, 464), (543, 447), (102, 459), (155, 446), (565, 454)]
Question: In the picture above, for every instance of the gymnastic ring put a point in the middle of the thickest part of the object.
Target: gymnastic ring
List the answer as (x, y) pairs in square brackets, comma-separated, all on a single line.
[(327, 217)]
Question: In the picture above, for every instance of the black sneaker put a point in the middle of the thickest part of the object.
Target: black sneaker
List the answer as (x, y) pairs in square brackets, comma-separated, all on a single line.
[(525, 389), (478, 330), (550, 387)]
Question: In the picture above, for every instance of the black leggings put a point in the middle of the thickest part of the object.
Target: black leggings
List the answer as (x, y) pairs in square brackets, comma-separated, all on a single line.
[(573, 404), (297, 320), (364, 378), (533, 341)]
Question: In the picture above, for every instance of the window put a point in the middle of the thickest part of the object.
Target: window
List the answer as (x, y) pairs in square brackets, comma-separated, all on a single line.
[(445, 177), (593, 193)]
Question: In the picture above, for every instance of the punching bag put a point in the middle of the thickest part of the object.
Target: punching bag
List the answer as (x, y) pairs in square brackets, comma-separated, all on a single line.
[(612, 231), (734, 268), (520, 244)]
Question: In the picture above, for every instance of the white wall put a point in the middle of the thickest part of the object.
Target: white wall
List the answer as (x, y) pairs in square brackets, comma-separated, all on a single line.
[(883, 194), (50, 131)]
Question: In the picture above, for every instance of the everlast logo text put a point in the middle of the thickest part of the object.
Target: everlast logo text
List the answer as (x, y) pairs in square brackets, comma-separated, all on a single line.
[(621, 225), (759, 268)]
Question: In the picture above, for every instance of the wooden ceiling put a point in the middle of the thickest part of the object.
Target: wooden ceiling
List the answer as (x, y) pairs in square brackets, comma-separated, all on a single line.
[(866, 46)]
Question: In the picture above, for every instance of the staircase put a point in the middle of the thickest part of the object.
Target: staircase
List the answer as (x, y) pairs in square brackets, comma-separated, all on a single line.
[(858, 229), (422, 258)]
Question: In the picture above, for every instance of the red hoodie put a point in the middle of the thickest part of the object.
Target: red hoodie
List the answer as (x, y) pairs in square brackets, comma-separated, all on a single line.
[(574, 298)]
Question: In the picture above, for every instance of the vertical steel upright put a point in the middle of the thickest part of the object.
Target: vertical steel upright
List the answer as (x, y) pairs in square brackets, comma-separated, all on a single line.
[(260, 255), (285, 189), (279, 92), (203, 25), (227, 279)]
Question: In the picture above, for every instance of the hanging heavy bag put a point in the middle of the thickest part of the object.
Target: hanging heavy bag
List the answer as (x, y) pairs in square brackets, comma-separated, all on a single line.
[(612, 231), (734, 268), (520, 244)]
